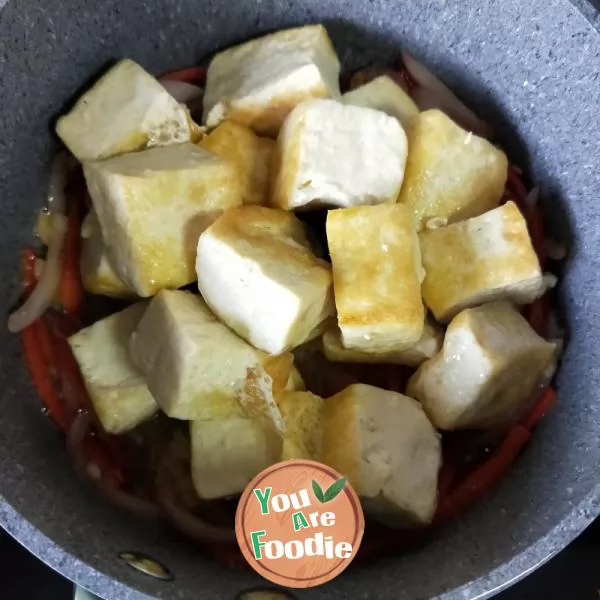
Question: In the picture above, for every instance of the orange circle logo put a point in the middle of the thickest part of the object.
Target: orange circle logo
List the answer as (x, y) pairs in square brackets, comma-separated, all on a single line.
[(299, 523)]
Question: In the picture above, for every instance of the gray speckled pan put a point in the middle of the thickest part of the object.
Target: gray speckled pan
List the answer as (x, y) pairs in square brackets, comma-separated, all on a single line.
[(531, 67)]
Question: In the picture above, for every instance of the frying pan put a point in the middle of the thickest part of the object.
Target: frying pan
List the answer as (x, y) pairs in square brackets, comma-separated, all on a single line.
[(529, 68)]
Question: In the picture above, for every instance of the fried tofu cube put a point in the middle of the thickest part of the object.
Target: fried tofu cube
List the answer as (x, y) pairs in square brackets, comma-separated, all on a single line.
[(124, 111), (198, 369), (384, 94), (451, 174), (250, 154), (429, 345), (489, 367), (97, 274), (377, 277), (295, 382), (228, 453), (390, 452), (479, 260), (301, 412), (336, 155), (259, 276), (259, 82), (116, 387), (153, 205)]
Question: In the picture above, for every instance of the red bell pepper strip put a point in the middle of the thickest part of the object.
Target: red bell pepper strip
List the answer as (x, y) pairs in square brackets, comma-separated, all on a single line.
[(540, 409), (481, 479), (70, 287), (537, 314), (190, 75), (36, 342), (37, 349), (516, 187), (535, 221), (489, 473)]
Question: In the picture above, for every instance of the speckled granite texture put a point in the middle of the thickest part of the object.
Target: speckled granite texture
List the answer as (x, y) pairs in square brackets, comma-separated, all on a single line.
[(529, 67)]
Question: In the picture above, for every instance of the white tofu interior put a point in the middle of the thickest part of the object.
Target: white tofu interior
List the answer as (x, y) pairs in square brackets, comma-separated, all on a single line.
[(153, 205), (332, 154), (116, 387), (228, 453), (125, 110), (198, 369), (257, 273), (489, 367), (259, 82), (385, 444)]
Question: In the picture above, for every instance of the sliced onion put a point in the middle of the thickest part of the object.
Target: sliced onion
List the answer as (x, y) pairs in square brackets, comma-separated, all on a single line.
[(427, 99), (549, 281), (186, 93), (368, 74), (554, 330), (432, 93), (57, 201), (38, 267), (89, 224), (559, 346), (545, 381), (516, 169), (41, 297), (79, 430), (554, 250), (43, 226), (183, 91), (189, 524), (532, 198)]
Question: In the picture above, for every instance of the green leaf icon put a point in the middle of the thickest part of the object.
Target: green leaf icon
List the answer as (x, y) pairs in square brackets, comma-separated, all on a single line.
[(331, 492), (334, 489), (318, 491)]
